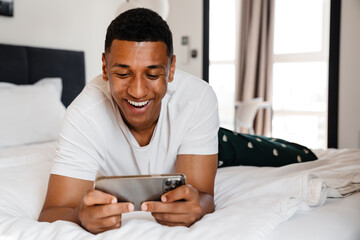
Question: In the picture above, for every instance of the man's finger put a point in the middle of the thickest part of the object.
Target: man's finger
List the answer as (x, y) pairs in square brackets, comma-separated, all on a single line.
[(109, 210), (110, 222), (159, 207), (175, 207), (101, 227), (185, 192), (174, 218), (94, 197), (118, 225), (171, 224)]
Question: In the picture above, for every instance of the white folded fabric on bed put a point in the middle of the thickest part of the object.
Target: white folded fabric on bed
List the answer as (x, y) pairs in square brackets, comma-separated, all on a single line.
[(250, 201), (338, 218)]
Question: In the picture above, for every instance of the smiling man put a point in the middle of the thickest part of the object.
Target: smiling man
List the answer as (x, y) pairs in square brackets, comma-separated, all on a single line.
[(141, 116)]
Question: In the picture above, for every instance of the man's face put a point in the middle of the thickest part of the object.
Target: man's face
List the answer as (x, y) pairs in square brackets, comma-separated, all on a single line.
[(138, 73)]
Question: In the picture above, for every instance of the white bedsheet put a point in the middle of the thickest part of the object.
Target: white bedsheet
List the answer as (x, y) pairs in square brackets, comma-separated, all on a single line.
[(250, 202)]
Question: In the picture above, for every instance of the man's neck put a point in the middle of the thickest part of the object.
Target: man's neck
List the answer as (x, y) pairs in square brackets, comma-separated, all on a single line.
[(143, 136)]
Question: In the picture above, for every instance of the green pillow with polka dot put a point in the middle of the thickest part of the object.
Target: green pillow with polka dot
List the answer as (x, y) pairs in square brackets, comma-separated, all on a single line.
[(237, 149)]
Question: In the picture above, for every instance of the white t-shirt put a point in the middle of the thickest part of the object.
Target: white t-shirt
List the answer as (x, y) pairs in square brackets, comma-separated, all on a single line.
[(94, 139)]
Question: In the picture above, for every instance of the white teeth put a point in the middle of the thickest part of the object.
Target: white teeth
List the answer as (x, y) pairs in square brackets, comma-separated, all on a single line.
[(139, 104)]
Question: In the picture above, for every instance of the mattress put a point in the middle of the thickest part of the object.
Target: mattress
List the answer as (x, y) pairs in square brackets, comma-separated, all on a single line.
[(312, 200)]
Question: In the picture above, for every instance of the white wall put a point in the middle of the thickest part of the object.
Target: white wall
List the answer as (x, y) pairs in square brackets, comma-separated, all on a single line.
[(81, 25), (186, 19), (65, 24), (349, 75)]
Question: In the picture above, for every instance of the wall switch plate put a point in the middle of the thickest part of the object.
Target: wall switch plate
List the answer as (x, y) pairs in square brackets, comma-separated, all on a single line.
[(194, 53), (185, 40), (185, 50)]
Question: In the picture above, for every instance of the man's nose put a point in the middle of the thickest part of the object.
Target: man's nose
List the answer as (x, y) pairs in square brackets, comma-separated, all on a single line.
[(138, 87)]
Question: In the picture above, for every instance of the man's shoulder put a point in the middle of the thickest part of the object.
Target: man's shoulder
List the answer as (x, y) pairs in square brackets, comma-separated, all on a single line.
[(185, 79), (96, 92), (188, 88)]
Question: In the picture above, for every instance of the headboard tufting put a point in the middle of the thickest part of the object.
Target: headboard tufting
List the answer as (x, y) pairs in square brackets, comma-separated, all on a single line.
[(26, 65)]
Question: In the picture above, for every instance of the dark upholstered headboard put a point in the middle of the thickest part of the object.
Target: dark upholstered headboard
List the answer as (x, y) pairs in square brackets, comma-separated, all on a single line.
[(27, 65)]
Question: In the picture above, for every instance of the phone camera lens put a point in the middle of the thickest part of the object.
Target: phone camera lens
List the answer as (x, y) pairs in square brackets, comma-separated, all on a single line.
[(167, 182)]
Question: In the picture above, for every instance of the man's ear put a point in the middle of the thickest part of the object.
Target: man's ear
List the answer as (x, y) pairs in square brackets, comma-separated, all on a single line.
[(172, 69), (104, 73)]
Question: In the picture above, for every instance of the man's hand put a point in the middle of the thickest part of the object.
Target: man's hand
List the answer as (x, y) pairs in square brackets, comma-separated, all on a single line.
[(189, 203), (100, 211), (179, 207)]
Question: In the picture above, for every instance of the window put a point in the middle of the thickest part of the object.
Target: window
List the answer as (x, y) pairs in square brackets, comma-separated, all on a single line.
[(300, 71), (222, 42)]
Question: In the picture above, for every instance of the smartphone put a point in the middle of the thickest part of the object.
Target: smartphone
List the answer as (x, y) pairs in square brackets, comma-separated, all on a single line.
[(139, 188)]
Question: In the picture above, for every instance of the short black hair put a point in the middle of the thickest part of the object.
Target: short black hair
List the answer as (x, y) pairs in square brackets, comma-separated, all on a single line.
[(139, 25)]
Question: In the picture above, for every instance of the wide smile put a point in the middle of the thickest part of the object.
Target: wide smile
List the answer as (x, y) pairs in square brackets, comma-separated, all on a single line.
[(138, 107), (138, 104)]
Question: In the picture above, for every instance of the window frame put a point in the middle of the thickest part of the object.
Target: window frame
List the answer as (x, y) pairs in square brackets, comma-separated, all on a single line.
[(334, 53), (320, 56)]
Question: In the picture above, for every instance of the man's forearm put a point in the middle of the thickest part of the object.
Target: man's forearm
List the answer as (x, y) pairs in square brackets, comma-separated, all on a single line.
[(60, 213)]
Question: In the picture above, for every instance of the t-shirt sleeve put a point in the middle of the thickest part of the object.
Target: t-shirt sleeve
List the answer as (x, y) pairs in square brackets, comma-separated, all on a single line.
[(202, 135), (79, 147)]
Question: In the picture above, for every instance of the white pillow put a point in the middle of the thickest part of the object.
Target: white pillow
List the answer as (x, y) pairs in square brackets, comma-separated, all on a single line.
[(30, 113)]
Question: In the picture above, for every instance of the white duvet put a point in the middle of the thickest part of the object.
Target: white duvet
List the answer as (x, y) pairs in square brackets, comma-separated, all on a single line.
[(250, 201)]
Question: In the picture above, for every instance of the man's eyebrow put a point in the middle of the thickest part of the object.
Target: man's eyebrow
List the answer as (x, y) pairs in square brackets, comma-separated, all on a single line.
[(120, 65), (155, 66)]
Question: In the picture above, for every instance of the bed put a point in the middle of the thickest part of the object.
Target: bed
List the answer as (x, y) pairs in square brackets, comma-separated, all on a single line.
[(308, 200)]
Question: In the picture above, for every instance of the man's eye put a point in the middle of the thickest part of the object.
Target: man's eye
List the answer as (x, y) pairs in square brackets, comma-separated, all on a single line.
[(123, 75), (152, 76)]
